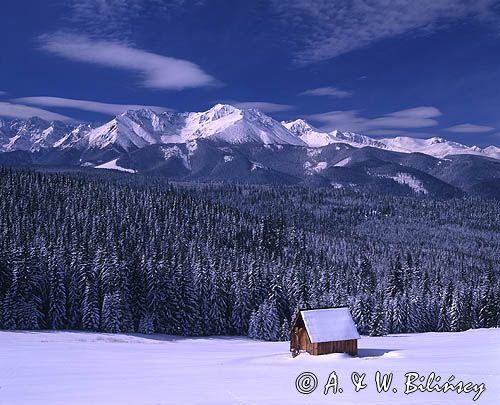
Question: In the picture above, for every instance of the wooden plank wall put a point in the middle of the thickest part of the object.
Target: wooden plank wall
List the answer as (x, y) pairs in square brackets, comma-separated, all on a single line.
[(341, 346)]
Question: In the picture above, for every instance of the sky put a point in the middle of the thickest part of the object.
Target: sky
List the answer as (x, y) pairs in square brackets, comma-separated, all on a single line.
[(378, 67)]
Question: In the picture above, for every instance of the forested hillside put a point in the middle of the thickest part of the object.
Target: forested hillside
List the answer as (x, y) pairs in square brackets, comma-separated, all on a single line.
[(126, 254)]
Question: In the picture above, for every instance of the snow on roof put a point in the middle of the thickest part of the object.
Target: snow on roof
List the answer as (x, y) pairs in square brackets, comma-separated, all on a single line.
[(326, 325)]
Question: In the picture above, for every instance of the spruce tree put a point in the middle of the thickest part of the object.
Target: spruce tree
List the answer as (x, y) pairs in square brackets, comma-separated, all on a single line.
[(377, 325)]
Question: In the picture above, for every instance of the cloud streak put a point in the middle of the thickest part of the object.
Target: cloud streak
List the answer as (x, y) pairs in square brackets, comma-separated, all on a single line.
[(11, 110), (262, 106), (85, 105), (324, 29), (350, 120), (469, 128), (158, 71), (327, 91)]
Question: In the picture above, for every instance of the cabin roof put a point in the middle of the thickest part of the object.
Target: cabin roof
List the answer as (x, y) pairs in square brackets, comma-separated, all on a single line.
[(329, 324)]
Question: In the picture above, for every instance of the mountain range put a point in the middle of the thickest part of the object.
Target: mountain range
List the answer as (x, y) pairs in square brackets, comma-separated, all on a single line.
[(225, 143)]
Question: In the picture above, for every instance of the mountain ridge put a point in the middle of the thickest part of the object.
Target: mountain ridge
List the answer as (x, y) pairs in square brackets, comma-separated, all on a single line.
[(227, 144), (223, 123)]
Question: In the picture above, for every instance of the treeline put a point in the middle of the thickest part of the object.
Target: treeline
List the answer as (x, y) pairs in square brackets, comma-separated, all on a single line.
[(121, 254)]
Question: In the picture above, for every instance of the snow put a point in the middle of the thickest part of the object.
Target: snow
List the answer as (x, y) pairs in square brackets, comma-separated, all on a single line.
[(343, 162), (492, 151), (222, 122), (31, 134), (192, 146), (256, 165), (320, 166), (112, 165), (170, 152), (313, 152), (59, 368), (437, 147), (313, 137), (317, 168), (228, 158), (412, 182), (356, 140), (326, 325), (316, 138), (75, 138), (131, 129), (229, 124)]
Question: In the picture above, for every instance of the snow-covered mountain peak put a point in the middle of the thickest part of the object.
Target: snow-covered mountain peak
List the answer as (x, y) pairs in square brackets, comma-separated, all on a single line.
[(31, 134), (357, 140), (140, 114), (76, 138), (224, 113), (229, 124), (299, 126), (148, 119), (437, 147), (312, 136), (492, 151), (316, 138), (221, 110), (134, 128), (222, 122)]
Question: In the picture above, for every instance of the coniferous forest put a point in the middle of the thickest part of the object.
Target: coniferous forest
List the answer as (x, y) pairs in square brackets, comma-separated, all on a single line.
[(122, 253)]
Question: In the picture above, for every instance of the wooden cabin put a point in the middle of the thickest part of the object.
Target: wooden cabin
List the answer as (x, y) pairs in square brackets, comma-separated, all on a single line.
[(323, 331)]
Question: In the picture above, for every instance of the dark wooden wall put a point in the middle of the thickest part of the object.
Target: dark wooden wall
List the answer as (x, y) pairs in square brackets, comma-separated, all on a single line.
[(340, 346)]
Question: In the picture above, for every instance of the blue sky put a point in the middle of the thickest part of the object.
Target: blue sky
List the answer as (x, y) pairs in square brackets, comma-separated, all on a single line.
[(379, 67)]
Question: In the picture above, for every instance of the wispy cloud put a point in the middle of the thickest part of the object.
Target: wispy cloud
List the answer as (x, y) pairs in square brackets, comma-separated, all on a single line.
[(351, 120), (323, 29), (119, 18), (384, 132), (12, 110), (327, 91), (3, 93), (469, 128), (262, 106), (85, 105), (158, 71)]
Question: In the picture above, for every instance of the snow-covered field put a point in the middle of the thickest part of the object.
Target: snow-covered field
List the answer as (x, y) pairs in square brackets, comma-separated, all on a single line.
[(91, 368)]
